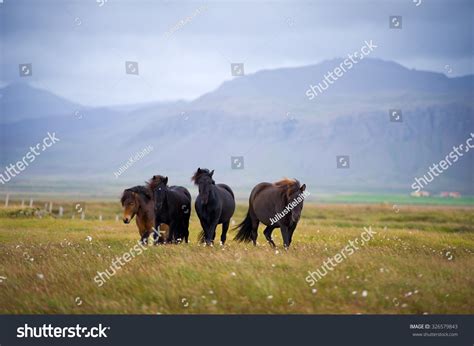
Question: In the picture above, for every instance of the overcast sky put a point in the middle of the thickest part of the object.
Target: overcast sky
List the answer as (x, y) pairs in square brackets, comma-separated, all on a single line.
[(78, 48)]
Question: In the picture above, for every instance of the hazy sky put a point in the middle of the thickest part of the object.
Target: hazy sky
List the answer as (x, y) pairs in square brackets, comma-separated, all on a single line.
[(78, 48)]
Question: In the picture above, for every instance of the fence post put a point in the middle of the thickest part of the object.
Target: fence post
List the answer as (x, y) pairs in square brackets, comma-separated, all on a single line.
[(116, 218), (31, 202), (83, 216), (22, 203), (7, 199), (100, 217), (61, 211), (50, 207)]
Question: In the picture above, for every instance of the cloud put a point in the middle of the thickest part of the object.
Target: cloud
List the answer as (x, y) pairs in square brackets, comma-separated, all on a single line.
[(85, 62)]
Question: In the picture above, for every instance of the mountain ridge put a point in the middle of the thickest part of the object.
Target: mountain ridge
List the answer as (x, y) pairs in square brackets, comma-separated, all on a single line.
[(268, 120)]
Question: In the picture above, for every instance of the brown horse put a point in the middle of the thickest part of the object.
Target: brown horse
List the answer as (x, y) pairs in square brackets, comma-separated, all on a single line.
[(138, 201), (277, 205)]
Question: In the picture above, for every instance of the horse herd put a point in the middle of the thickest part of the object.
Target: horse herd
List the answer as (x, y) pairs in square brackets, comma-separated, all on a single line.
[(169, 209)]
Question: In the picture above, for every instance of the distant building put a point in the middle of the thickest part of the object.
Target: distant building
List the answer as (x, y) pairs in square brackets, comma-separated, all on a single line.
[(452, 194), (420, 194)]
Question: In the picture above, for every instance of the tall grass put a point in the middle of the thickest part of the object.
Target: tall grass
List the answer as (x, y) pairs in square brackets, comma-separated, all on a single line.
[(420, 261)]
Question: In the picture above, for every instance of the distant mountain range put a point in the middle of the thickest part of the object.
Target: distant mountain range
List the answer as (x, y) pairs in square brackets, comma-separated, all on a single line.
[(264, 117)]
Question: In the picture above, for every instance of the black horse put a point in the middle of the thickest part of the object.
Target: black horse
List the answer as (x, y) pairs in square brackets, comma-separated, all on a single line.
[(172, 207), (277, 205), (214, 205)]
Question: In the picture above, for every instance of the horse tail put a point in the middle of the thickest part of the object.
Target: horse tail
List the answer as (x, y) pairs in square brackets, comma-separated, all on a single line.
[(245, 229), (201, 236)]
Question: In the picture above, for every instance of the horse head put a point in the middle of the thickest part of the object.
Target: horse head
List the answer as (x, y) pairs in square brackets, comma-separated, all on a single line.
[(131, 201), (159, 185), (295, 199), (203, 178)]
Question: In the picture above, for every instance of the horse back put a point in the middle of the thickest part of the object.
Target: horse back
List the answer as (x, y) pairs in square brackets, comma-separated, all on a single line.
[(228, 202), (181, 193), (267, 196), (227, 188), (259, 188)]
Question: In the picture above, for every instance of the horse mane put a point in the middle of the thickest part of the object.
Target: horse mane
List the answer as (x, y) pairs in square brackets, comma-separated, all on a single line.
[(286, 182), (155, 181), (200, 173), (290, 185), (139, 189)]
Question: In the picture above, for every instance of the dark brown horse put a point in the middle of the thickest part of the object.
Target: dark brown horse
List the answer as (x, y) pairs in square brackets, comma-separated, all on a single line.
[(277, 205), (138, 200), (214, 205)]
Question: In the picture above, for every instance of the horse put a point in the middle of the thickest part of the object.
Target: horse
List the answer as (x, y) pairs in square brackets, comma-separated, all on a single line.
[(276, 205), (172, 207), (138, 201), (214, 205)]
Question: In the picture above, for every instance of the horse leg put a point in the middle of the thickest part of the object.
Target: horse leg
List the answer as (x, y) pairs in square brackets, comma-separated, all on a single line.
[(186, 235), (290, 231), (225, 227), (186, 230), (268, 235), (157, 237), (172, 232), (255, 223), (144, 237), (142, 231), (211, 233), (205, 230), (285, 234)]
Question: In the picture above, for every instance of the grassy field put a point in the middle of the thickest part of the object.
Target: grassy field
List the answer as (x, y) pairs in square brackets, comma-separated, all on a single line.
[(420, 261)]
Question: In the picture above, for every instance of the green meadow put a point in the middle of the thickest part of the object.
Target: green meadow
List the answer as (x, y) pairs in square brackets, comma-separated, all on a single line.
[(419, 261)]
